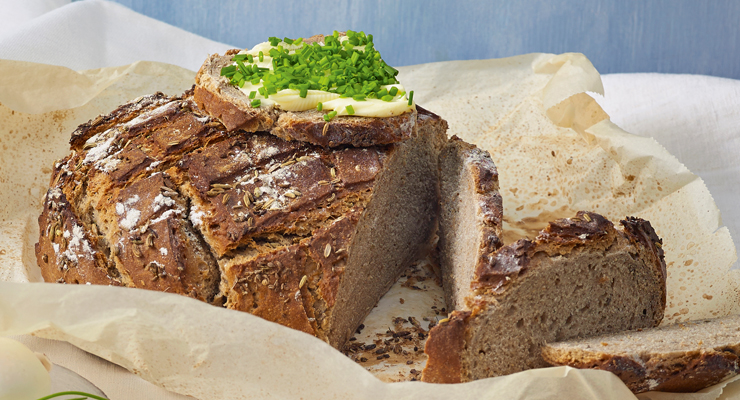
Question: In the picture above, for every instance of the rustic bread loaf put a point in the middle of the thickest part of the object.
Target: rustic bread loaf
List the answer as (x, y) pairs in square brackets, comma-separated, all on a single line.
[(158, 195), (685, 357), (579, 277), (225, 102)]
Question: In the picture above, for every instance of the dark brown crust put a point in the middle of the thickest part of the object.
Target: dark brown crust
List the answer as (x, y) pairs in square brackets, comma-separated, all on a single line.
[(269, 285), (215, 95), (227, 228), (641, 231), (691, 371), (444, 348), (309, 126), (162, 157), (122, 114), (505, 265), (74, 264), (560, 237), (233, 117)]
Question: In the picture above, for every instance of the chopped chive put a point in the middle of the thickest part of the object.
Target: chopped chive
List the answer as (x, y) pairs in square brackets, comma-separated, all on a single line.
[(252, 94), (228, 71), (320, 106), (411, 97), (350, 110), (335, 67), (330, 116), (256, 103)]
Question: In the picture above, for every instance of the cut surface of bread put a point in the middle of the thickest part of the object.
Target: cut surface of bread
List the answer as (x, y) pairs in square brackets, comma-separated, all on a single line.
[(684, 357), (158, 195), (579, 277), (218, 97)]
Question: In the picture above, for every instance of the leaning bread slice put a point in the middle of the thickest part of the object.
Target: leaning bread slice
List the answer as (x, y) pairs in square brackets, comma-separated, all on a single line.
[(684, 357), (291, 116), (470, 221), (580, 277), (157, 195)]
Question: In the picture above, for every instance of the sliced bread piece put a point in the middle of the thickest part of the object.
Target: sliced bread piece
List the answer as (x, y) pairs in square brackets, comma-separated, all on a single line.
[(158, 195), (470, 216), (226, 102), (579, 277), (684, 357)]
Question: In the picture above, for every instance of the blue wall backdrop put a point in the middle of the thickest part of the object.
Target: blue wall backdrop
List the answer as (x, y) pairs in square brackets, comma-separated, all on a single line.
[(672, 36)]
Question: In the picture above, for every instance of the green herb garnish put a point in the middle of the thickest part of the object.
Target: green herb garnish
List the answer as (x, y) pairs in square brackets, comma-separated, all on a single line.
[(83, 394), (352, 68), (330, 116)]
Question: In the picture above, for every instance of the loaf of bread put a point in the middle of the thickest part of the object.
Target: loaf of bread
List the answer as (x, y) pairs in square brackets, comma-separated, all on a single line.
[(685, 357), (159, 195), (579, 277), (226, 102)]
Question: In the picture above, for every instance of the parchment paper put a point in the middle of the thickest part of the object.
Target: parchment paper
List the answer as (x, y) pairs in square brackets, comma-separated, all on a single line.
[(556, 151)]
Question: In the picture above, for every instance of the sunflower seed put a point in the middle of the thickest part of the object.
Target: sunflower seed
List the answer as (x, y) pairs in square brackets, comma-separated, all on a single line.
[(586, 217), (257, 192), (303, 282), (273, 168), (225, 199), (327, 250), (333, 172)]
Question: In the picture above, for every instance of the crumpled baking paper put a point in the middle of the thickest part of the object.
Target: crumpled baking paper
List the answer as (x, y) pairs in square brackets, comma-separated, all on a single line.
[(556, 151)]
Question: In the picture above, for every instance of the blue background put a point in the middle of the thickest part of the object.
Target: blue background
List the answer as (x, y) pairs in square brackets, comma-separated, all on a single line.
[(679, 36)]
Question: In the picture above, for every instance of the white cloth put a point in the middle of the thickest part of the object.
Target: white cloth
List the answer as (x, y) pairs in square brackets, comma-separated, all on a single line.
[(697, 118), (95, 34)]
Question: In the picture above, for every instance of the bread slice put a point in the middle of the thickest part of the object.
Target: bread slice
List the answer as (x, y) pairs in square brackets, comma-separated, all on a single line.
[(158, 195), (685, 357), (225, 102), (579, 277), (471, 213)]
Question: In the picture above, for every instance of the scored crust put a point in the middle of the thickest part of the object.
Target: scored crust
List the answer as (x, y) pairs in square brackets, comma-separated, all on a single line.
[(222, 100), (158, 195)]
